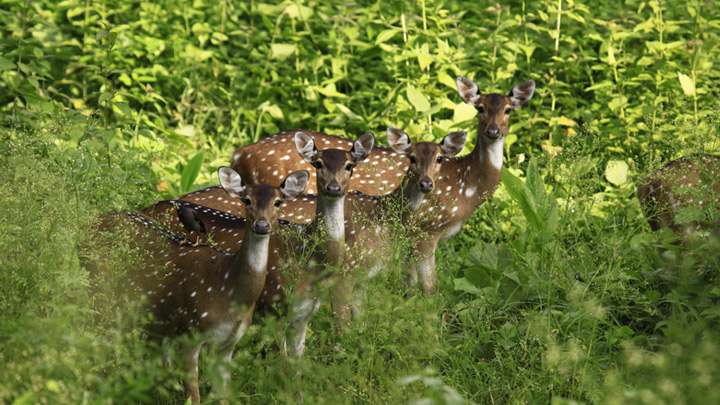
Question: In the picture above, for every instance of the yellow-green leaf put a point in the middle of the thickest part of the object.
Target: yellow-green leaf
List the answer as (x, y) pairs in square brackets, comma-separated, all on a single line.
[(417, 99), (282, 51), (616, 172), (687, 84)]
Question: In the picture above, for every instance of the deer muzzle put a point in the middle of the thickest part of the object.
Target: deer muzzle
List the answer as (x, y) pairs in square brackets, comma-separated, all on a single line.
[(261, 227)]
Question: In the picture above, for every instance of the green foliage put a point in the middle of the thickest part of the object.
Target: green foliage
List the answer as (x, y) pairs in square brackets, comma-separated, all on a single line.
[(554, 292)]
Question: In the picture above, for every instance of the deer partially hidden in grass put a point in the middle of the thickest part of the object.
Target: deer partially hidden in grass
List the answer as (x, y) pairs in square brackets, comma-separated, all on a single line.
[(205, 291), (683, 195), (463, 183)]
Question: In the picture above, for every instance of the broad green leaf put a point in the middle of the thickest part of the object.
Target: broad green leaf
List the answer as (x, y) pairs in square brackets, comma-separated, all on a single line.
[(103, 97), (123, 108), (687, 84), (464, 112), (616, 172), (385, 35), (611, 55), (417, 99), (6, 64), (282, 51), (565, 121), (519, 192), (191, 171)]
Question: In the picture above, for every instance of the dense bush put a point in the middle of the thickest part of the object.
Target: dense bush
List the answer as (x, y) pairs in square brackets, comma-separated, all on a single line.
[(555, 290)]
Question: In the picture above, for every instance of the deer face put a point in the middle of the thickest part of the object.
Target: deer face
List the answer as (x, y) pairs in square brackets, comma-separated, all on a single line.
[(425, 157), (494, 109), (334, 166), (261, 201)]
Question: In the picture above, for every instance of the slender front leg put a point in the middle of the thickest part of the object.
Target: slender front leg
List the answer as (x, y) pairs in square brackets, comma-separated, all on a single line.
[(424, 270), (192, 389), (222, 391), (341, 290), (300, 312)]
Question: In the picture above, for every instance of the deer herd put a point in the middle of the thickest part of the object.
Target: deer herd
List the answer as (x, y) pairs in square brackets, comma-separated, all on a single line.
[(274, 247)]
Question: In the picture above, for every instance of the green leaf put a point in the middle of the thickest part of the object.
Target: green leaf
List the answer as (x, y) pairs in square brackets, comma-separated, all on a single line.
[(687, 84), (464, 112), (519, 192), (191, 171), (103, 97), (385, 35), (616, 172), (282, 51), (417, 99), (6, 64)]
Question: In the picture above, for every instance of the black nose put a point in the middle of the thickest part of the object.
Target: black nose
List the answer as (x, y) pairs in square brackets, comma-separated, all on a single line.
[(426, 185), (261, 227), (333, 189), (492, 132)]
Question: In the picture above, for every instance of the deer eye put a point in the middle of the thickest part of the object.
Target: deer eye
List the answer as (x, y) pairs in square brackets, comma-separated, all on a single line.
[(439, 159), (480, 108), (348, 167), (507, 110), (278, 202), (318, 165), (412, 160), (247, 201)]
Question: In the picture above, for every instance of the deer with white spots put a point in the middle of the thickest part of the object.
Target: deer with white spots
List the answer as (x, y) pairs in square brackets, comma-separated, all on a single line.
[(691, 183), (204, 291)]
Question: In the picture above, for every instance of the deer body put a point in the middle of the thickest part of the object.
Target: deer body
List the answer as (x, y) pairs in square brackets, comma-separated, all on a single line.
[(691, 182), (204, 290)]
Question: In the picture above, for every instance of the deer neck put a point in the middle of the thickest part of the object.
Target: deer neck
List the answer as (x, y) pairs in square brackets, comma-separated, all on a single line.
[(331, 215), (485, 162), (407, 194), (252, 257)]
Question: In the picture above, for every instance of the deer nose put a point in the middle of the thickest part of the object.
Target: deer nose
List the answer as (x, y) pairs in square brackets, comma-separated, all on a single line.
[(333, 189), (261, 227), (426, 185), (492, 132)]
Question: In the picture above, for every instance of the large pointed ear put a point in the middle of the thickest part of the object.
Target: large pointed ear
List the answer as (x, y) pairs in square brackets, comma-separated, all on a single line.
[(522, 93), (468, 90), (294, 184), (231, 181), (362, 147), (398, 140), (305, 146), (453, 143)]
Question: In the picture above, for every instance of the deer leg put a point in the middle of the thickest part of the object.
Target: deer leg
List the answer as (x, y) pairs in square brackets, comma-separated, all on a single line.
[(341, 304), (424, 269), (192, 389), (226, 351), (300, 312)]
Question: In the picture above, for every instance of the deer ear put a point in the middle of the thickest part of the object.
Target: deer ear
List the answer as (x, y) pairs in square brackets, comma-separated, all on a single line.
[(362, 147), (305, 146), (468, 90), (231, 181), (398, 140), (453, 143), (294, 184), (522, 93)]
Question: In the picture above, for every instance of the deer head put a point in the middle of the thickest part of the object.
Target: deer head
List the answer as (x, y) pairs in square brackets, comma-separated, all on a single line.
[(262, 201), (494, 109), (425, 157), (334, 166)]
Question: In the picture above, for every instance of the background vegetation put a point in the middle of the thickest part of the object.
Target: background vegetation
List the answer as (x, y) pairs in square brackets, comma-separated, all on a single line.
[(553, 293)]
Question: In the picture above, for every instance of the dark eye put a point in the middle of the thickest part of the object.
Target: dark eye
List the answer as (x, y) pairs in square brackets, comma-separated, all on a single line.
[(412, 160), (278, 202), (507, 110), (318, 165), (439, 159), (348, 167), (480, 108), (247, 201)]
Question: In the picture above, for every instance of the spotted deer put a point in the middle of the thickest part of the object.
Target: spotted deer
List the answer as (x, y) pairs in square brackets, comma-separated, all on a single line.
[(201, 290), (364, 214), (690, 183)]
